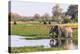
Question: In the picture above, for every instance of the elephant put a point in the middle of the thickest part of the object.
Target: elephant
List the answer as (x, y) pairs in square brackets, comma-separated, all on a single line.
[(65, 31), (60, 31)]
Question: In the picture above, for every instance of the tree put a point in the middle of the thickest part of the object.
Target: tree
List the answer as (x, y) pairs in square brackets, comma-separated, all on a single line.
[(56, 12), (72, 11), (36, 16), (14, 17), (46, 16)]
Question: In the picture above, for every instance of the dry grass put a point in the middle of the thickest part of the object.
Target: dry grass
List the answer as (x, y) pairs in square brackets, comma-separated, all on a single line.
[(72, 25)]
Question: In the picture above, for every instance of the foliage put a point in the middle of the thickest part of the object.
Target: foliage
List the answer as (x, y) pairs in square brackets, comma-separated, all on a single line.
[(36, 30), (57, 12), (67, 20), (46, 16), (73, 11), (75, 20), (49, 22), (36, 16), (15, 23)]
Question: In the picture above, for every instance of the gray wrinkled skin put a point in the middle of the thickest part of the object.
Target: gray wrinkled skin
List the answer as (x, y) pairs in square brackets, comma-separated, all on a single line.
[(61, 31)]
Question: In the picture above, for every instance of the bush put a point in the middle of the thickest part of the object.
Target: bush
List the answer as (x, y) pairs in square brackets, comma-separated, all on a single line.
[(45, 22), (49, 22), (75, 19), (67, 20), (14, 22)]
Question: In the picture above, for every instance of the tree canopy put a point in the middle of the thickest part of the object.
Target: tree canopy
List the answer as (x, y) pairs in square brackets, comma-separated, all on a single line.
[(56, 13), (73, 11)]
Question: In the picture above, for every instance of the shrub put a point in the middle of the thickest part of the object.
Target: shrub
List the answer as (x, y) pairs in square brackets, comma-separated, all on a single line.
[(67, 20), (45, 22)]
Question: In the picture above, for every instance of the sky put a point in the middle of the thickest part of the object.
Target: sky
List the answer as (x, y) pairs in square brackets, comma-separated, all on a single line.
[(25, 8)]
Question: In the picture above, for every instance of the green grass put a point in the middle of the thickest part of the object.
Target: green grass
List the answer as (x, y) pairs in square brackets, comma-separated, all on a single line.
[(39, 31), (35, 38), (32, 49), (75, 33), (34, 30)]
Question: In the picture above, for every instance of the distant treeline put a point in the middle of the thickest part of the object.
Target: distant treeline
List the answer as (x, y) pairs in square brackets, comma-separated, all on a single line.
[(71, 15)]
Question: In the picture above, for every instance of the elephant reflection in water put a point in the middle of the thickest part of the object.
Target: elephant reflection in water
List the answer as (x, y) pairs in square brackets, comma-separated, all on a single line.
[(67, 44), (54, 43)]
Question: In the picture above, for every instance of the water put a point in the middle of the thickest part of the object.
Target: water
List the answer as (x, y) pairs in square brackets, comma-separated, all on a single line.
[(18, 41)]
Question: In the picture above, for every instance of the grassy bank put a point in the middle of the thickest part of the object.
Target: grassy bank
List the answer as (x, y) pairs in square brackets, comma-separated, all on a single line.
[(32, 49), (38, 31), (33, 30)]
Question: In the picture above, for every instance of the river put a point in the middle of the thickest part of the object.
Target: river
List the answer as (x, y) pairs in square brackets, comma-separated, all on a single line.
[(19, 41)]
